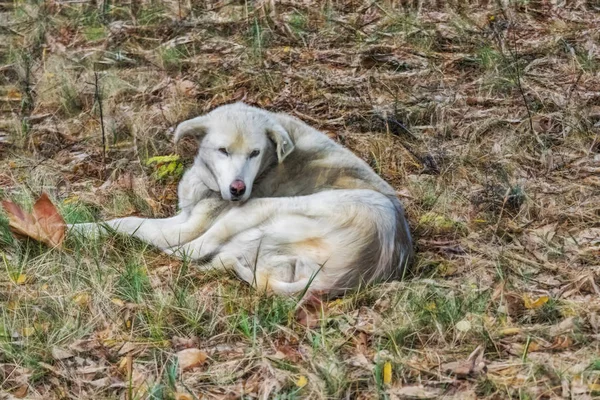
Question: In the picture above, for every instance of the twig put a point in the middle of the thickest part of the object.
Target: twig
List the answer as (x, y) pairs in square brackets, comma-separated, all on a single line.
[(574, 86), (521, 90), (99, 101)]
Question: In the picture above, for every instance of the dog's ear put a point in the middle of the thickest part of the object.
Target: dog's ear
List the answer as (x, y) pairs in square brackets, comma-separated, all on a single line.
[(283, 141), (196, 127)]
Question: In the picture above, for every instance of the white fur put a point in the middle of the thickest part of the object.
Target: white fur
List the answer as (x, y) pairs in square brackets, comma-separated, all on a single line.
[(313, 213)]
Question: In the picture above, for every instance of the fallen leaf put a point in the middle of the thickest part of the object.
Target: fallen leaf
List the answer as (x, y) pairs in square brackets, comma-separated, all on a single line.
[(302, 381), (387, 373), (127, 348), (27, 331), (463, 326), (533, 304), (118, 302), (473, 365), (44, 224), (594, 387), (61, 354), (561, 343), (21, 391), (14, 94), (191, 358), (509, 331), (310, 311), (183, 396), (82, 299), (415, 392), (20, 279)]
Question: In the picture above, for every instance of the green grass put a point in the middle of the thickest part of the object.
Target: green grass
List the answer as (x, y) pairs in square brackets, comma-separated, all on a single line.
[(476, 216)]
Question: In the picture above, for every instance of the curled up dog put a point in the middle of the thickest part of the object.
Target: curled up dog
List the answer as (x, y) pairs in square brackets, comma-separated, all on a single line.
[(279, 203)]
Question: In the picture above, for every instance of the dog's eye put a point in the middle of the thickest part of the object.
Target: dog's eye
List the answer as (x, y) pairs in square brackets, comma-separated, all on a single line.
[(254, 153), (223, 150)]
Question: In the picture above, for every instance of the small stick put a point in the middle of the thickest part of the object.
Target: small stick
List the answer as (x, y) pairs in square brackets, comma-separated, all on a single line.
[(99, 101)]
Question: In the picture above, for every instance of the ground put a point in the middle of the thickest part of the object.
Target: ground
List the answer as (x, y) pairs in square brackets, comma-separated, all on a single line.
[(484, 117)]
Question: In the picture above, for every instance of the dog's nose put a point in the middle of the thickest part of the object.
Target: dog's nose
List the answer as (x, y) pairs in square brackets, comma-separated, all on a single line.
[(237, 188)]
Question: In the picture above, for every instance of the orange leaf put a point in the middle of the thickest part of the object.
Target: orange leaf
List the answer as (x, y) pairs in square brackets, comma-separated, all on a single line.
[(191, 358), (44, 224)]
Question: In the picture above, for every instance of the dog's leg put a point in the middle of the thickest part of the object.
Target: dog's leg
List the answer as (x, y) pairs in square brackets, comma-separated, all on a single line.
[(235, 221), (162, 233), (257, 211)]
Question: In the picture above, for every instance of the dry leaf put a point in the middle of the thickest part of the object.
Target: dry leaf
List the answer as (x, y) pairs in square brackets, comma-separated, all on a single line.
[(61, 354), (127, 348), (533, 304), (118, 302), (509, 331), (473, 365), (387, 373), (44, 224), (310, 311), (463, 326), (21, 392), (415, 392), (191, 358), (82, 299), (20, 279), (183, 396)]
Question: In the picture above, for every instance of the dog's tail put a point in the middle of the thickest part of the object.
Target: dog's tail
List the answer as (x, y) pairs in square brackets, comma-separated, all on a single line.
[(385, 255), (257, 279)]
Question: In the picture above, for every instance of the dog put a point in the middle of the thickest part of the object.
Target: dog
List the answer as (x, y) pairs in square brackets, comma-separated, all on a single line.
[(279, 203)]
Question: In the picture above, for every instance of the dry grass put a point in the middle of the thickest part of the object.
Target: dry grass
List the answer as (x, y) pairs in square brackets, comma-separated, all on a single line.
[(485, 119)]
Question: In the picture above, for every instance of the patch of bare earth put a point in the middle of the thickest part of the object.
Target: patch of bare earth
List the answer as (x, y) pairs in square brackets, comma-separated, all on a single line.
[(485, 118)]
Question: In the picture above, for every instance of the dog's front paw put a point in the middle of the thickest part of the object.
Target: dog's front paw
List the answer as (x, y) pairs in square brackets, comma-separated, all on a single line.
[(193, 251), (87, 229)]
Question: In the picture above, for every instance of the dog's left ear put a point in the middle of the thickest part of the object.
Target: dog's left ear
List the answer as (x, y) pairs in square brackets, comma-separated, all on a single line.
[(282, 140), (195, 127)]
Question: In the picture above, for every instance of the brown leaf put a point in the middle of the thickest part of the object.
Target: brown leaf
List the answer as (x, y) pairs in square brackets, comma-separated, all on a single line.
[(44, 224), (21, 391), (60, 354), (473, 365), (309, 311), (191, 358)]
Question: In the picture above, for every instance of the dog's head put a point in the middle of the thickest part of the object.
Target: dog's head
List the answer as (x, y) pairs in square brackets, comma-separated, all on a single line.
[(236, 143)]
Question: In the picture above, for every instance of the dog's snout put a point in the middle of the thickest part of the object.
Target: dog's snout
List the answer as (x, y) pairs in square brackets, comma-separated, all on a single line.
[(237, 188)]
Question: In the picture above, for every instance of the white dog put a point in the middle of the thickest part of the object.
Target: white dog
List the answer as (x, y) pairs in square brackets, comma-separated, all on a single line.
[(281, 204)]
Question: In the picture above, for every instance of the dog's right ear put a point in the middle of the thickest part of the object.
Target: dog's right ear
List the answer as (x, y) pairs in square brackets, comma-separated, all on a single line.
[(196, 127)]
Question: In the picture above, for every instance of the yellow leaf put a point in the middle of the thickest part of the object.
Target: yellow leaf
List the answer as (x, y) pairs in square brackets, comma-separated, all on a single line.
[(71, 199), (82, 299), (117, 302), (594, 387), (302, 381), (533, 304), (387, 373), (21, 279), (27, 331), (14, 94), (183, 396), (509, 331)]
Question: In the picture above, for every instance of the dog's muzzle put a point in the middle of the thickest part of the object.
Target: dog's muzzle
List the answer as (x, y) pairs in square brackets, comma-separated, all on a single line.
[(237, 189)]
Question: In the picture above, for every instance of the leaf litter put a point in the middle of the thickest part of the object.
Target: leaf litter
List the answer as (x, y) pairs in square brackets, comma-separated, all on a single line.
[(483, 118)]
